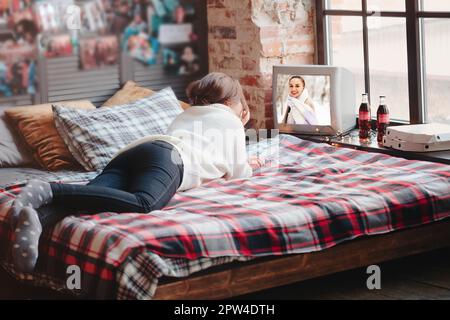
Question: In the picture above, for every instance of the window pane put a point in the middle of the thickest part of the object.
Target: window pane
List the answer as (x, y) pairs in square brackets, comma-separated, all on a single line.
[(386, 5), (346, 48), (344, 4), (389, 65), (437, 53), (435, 5)]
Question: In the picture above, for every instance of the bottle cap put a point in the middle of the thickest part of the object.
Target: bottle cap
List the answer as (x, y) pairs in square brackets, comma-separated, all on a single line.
[(365, 98)]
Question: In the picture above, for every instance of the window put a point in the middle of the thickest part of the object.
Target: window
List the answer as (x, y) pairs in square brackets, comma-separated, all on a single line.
[(397, 48)]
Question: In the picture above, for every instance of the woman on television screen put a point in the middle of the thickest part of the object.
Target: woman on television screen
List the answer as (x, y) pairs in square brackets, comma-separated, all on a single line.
[(299, 106)]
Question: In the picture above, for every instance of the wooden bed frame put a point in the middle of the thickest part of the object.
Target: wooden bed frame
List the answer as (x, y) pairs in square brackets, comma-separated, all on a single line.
[(245, 277), (236, 278)]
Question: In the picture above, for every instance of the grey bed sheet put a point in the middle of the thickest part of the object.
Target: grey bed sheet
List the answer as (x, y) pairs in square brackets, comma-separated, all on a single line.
[(13, 176)]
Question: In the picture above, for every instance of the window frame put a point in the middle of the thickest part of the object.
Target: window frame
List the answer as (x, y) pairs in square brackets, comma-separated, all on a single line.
[(415, 46)]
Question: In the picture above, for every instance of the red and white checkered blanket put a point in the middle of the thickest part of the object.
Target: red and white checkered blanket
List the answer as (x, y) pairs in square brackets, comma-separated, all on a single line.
[(310, 197)]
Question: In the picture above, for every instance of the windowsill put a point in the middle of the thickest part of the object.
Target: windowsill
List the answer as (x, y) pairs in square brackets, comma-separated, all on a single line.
[(351, 140)]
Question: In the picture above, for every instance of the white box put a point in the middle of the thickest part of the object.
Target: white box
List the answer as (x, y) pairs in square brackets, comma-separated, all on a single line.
[(418, 138), (414, 146)]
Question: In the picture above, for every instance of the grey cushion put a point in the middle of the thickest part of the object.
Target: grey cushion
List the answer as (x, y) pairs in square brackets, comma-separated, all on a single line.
[(13, 150), (95, 136)]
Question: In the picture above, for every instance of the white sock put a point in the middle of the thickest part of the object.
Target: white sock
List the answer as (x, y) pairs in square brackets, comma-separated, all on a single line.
[(35, 194), (26, 240)]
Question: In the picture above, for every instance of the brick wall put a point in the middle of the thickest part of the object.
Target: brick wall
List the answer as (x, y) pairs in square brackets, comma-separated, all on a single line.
[(247, 37)]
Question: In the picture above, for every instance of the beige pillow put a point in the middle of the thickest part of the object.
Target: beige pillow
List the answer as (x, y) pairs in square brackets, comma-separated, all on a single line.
[(131, 92), (35, 124)]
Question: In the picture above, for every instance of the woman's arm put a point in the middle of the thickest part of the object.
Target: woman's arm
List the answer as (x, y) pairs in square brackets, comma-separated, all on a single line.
[(237, 157), (256, 162), (245, 115)]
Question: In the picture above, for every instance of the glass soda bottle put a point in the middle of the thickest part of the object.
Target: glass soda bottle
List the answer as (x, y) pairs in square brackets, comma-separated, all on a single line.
[(364, 119), (382, 119)]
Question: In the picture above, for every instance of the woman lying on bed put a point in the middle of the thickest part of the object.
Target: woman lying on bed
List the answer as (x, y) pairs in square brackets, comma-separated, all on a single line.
[(205, 142)]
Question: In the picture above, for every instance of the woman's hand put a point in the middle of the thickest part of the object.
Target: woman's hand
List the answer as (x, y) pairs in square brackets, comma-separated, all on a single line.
[(256, 162), (245, 115)]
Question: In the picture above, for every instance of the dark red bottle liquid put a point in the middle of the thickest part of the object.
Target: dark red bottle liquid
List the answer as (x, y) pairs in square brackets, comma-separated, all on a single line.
[(364, 119), (382, 119)]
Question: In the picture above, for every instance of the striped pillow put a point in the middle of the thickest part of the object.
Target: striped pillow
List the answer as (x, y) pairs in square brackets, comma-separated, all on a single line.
[(94, 137)]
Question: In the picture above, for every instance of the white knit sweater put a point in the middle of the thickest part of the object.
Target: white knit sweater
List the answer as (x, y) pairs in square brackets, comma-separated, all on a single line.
[(211, 142)]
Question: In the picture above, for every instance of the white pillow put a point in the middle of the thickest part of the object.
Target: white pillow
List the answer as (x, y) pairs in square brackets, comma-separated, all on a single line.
[(95, 136)]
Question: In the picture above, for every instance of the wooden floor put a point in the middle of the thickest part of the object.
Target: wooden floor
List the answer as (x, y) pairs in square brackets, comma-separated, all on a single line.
[(15, 291), (424, 277)]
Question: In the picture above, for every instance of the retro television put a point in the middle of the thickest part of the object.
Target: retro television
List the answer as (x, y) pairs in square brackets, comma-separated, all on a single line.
[(313, 100)]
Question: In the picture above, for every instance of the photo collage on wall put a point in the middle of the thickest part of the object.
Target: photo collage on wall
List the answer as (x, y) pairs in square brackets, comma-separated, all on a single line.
[(154, 32), (18, 51), (54, 40), (45, 24), (98, 52), (90, 36), (151, 31), (159, 31)]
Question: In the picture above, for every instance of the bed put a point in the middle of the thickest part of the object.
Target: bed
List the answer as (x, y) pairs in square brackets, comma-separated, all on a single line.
[(313, 209)]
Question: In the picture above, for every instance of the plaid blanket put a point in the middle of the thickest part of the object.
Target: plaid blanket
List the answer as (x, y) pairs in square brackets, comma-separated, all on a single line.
[(308, 197)]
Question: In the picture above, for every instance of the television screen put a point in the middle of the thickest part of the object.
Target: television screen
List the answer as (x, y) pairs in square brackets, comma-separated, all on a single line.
[(313, 99), (303, 99)]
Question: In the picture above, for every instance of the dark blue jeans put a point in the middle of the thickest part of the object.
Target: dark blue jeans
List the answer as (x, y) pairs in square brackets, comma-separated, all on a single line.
[(141, 179)]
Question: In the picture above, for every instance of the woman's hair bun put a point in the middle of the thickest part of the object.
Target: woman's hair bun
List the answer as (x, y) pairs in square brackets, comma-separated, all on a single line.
[(215, 87)]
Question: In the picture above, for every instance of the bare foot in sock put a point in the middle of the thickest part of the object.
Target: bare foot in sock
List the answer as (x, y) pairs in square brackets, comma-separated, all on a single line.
[(26, 240), (35, 194)]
